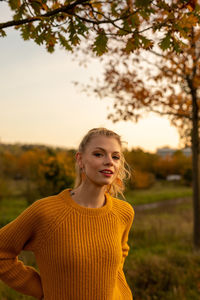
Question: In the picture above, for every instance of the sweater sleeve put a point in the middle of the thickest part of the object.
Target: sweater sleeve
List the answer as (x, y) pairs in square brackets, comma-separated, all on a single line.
[(125, 246), (18, 235)]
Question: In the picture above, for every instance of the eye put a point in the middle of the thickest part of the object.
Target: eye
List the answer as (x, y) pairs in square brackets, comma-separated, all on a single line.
[(97, 154), (116, 157)]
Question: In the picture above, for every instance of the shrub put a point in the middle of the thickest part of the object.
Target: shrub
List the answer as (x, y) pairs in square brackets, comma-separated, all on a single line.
[(142, 180)]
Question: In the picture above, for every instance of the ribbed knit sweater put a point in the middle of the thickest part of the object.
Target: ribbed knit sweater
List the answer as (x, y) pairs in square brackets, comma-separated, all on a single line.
[(80, 251)]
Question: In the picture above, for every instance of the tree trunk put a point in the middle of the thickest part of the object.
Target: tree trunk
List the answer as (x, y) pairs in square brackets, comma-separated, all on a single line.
[(195, 169)]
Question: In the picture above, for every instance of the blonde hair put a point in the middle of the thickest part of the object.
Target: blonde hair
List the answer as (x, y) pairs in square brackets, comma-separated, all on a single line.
[(117, 186)]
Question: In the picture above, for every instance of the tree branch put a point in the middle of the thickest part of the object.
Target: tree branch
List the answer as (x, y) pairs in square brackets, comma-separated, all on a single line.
[(69, 10), (170, 113), (63, 9)]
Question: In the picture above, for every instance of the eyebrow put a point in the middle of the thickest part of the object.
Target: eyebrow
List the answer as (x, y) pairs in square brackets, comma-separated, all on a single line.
[(105, 150)]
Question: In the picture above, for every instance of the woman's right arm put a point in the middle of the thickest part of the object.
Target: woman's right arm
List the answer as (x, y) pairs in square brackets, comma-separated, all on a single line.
[(18, 235)]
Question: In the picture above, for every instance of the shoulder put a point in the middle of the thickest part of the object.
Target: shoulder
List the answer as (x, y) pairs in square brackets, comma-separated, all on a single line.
[(47, 207), (43, 204), (123, 210)]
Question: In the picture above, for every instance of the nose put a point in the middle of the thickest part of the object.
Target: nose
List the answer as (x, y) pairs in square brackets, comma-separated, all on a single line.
[(108, 161)]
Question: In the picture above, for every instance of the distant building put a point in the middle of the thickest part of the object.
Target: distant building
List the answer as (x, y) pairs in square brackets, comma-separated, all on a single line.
[(166, 151), (187, 151), (173, 177)]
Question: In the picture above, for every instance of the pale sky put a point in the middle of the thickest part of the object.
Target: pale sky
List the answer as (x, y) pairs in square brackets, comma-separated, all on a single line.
[(40, 104)]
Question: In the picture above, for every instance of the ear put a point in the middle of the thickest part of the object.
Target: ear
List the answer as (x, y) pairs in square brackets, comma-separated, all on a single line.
[(78, 157)]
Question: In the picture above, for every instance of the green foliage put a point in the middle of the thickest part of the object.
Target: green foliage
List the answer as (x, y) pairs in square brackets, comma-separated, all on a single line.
[(82, 29), (114, 10), (2, 33), (142, 3), (127, 26), (127, 22), (25, 32), (64, 42), (100, 45), (165, 42), (145, 42), (52, 177), (21, 10), (44, 170), (36, 5), (74, 39), (14, 4), (138, 41), (134, 20), (132, 44)]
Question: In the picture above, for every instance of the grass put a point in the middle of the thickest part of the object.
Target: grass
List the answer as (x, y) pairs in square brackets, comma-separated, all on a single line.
[(162, 263), (10, 208), (161, 191)]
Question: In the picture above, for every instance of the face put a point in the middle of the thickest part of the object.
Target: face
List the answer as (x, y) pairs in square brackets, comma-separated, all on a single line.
[(100, 160)]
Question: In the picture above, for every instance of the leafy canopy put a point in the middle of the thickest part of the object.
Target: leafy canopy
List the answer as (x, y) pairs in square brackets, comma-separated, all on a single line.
[(164, 83), (67, 22)]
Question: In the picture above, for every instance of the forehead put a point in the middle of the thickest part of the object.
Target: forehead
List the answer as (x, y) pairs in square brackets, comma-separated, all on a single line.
[(108, 143)]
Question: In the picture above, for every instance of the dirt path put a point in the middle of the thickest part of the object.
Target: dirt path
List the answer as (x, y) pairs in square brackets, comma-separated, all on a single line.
[(164, 203)]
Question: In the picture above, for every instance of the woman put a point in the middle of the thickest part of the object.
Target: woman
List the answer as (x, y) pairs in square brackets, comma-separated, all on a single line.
[(79, 237)]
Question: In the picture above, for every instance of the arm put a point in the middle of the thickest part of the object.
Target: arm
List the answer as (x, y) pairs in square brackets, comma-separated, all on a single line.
[(125, 246), (18, 235)]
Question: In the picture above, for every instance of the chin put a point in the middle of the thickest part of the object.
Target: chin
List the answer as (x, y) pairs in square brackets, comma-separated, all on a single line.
[(102, 183), (106, 182)]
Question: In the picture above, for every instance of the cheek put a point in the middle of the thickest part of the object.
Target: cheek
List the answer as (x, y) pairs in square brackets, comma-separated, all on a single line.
[(92, 165)]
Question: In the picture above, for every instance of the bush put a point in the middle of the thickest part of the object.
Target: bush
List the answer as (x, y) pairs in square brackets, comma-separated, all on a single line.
[(153, 278), (142, 180), (164, 278)]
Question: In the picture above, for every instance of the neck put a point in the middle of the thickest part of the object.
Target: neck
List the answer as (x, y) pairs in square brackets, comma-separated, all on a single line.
[(89, 195)]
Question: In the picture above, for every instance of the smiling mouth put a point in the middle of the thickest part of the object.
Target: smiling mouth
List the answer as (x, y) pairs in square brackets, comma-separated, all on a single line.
[(107, 173)]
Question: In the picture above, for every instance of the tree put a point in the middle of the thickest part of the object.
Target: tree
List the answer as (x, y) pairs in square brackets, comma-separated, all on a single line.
[(126, 24), (169, 85), (68, 22)]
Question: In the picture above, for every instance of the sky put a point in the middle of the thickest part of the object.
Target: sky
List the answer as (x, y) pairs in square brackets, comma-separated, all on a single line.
[(39, 104)]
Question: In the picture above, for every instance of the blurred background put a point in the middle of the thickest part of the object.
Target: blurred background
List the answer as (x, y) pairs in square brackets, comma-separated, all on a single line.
[(43, 117)]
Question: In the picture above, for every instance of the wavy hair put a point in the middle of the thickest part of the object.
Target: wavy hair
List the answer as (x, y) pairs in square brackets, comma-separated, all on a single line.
[(118, 185)]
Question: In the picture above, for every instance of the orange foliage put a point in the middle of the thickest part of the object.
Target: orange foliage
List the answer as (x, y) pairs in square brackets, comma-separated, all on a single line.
[(49, 170), (142, 180)]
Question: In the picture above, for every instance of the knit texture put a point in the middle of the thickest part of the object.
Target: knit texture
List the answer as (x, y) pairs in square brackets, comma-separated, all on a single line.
[(80, 252)]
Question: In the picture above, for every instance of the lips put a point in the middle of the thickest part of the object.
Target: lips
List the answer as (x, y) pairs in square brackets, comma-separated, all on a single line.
[(107, 171)]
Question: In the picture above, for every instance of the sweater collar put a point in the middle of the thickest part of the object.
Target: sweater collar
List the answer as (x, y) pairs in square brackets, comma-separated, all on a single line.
[(65, 194)]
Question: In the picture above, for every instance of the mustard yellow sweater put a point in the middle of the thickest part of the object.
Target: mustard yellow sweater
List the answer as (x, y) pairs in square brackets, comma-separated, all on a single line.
[(79, 251)]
